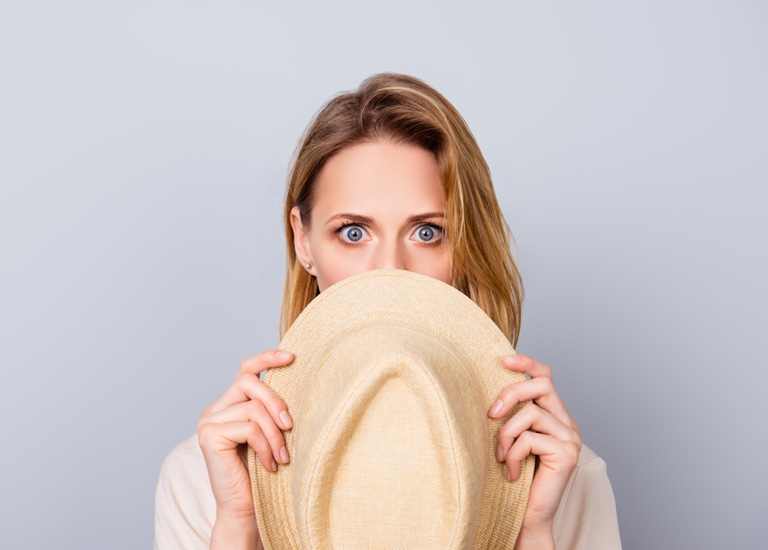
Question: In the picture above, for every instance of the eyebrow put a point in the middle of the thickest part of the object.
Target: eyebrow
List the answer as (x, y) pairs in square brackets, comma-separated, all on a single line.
[(357, 218), (426, 216)]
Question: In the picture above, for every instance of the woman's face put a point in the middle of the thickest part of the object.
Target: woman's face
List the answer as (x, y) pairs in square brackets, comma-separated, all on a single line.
[(377, 205)]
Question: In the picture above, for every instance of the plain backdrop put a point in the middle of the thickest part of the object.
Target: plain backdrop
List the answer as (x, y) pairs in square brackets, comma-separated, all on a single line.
[(143, 152)]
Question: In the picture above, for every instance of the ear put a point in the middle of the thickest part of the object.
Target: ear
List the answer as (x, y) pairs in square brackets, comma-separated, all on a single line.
[(301, 241)]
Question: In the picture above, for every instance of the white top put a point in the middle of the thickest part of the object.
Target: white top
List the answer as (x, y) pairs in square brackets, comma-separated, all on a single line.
[(185, 509)]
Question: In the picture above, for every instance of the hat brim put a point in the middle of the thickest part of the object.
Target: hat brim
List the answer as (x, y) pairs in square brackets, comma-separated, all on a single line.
[(399, 298)]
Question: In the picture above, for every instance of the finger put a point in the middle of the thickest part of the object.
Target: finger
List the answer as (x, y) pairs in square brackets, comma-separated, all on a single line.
[(254, 411), (218, 439), (265, 360), (257, 390), (233, 395), (263, 451), (249, 367), (532, 417), (557, 458), (527, 365), (539, 390), (249, 387)]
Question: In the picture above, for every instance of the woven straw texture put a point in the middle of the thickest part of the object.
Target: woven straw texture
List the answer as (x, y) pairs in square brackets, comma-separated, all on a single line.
[(391, 446)]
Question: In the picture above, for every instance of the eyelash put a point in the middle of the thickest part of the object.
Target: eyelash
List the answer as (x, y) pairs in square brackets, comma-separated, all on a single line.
[(439, 229), (341, 228)]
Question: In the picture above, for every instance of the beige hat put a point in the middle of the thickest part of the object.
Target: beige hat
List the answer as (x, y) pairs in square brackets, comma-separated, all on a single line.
[(392, 446)]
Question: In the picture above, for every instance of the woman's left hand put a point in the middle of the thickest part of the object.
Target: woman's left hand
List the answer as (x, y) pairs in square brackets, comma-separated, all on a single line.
[(545, 429)]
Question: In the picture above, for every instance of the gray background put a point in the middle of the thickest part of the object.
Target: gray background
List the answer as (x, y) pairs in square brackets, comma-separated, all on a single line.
[(143, 153)]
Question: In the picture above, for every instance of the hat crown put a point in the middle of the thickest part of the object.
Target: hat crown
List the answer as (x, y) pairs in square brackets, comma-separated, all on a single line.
[(389, 430), (368, 303)]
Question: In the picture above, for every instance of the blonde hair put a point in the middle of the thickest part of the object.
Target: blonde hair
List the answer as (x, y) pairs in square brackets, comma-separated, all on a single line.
[(403, 109)]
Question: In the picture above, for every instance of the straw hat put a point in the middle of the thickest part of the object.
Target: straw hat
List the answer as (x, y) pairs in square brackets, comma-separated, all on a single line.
[(392, 446)]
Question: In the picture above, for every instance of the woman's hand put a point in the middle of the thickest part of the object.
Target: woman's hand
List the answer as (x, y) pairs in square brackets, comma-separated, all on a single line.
[(545, 429), (247, 412)]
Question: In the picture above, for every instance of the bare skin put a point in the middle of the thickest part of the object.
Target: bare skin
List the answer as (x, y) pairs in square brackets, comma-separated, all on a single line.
[(378, 205)]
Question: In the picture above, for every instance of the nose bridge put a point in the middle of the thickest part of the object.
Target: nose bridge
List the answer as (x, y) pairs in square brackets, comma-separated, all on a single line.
[(390, 255)]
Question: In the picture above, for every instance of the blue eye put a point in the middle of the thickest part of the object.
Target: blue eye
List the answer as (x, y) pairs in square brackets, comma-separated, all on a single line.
[(427, 233), (353, 233)]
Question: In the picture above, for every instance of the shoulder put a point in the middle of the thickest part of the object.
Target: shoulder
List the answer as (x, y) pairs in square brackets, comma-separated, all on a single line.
[(184, 505), (589, 460), (186, 458), (587, 517)]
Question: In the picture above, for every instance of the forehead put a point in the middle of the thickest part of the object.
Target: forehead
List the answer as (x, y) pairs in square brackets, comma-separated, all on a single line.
[(379, 176)]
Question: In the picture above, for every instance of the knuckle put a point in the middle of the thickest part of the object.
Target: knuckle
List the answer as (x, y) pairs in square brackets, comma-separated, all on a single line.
[(273, 402), (514, 452), (547, 384), (271, 429), (277, 441), (530, 411), (577, 441), (256, 408), (245, 380), (262, 447), (525, 439), (254, 363), (261, 415), (505, 434), (572, 453), (509, 393), (575, 428), (245, 364), (546, 371), (205, 435), (509, 456)]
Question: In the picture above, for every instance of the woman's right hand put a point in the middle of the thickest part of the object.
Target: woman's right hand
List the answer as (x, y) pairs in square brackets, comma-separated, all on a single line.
[(247, 412)]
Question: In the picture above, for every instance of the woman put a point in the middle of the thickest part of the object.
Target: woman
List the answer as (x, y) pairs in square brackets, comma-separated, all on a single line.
[(389, 177)]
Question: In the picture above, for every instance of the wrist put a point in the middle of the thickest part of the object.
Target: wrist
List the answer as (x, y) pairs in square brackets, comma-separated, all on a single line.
[(538, 537), (234, 533)]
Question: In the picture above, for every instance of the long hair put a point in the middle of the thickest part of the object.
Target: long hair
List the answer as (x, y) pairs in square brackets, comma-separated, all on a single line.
[(402, 109)]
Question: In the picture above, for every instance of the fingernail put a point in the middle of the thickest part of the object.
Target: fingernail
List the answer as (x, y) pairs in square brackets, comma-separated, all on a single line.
[(284, 455), (283, 355), (511, 359), (509, 475), (274, 465), (497, 407), (286, 420), (499, 453)]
